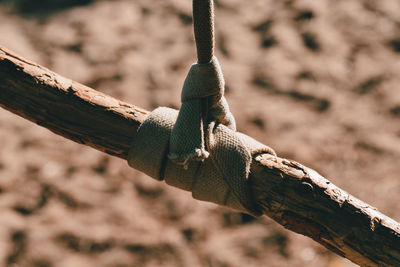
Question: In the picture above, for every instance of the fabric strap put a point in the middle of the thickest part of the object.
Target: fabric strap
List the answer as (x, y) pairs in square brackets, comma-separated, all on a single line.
[(198, 149), (203, 23), (220, 178)]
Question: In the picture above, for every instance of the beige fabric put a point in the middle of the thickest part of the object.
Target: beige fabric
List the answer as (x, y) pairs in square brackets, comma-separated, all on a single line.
[(203, 102), (199, 149), (221, 178), (203, 24)]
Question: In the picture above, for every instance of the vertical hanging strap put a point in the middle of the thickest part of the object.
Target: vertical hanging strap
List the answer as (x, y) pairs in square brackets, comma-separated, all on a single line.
[(203, 22), (202, 95), (198, 149)]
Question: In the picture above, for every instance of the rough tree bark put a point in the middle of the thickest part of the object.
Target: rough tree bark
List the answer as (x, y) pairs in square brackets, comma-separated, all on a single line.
[(293, 195)]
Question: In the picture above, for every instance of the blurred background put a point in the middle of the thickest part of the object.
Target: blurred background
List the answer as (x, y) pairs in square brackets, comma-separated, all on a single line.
[(316, 80)]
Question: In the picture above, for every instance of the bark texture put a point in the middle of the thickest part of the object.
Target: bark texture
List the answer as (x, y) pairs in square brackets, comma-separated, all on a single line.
[(66, 107), (303, 201), (293, 195)]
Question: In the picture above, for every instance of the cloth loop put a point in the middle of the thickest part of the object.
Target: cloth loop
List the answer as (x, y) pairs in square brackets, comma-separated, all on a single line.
[(221, 178), (196, 86), (203, 102), (198, 149)]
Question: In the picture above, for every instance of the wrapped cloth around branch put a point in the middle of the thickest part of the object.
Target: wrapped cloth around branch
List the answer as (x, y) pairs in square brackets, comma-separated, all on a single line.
[(220, 178), (293, 195), (205, 153)]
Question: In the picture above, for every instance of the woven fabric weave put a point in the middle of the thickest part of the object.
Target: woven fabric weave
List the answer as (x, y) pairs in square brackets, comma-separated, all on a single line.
[(198, 149), (221, 178), (203, 102)]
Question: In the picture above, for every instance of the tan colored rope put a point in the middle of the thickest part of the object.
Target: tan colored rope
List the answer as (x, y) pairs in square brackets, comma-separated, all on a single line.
[(198, 149)]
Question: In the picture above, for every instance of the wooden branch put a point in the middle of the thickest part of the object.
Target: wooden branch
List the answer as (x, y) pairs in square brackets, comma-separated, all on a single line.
[(293, 195), (303, 201), (66, 107)]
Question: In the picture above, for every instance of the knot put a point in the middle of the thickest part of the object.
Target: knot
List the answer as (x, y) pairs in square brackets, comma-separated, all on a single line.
[(203, 102), (221, 178), (199, 149), (203, 80)]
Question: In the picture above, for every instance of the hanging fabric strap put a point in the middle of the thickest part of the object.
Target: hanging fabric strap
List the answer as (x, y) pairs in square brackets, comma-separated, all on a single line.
[(202, 96), (203, 21), (198, 149)]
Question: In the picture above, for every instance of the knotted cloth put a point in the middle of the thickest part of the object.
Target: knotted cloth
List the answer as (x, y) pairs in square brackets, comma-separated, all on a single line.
[(198, 149), (203, 102)]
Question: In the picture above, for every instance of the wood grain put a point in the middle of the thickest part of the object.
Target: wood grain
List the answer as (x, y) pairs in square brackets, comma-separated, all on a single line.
[(293, 195), (66, 107)]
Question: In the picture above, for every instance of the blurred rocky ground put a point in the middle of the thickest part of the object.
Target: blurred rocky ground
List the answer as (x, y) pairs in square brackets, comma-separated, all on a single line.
[(316, 80)]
